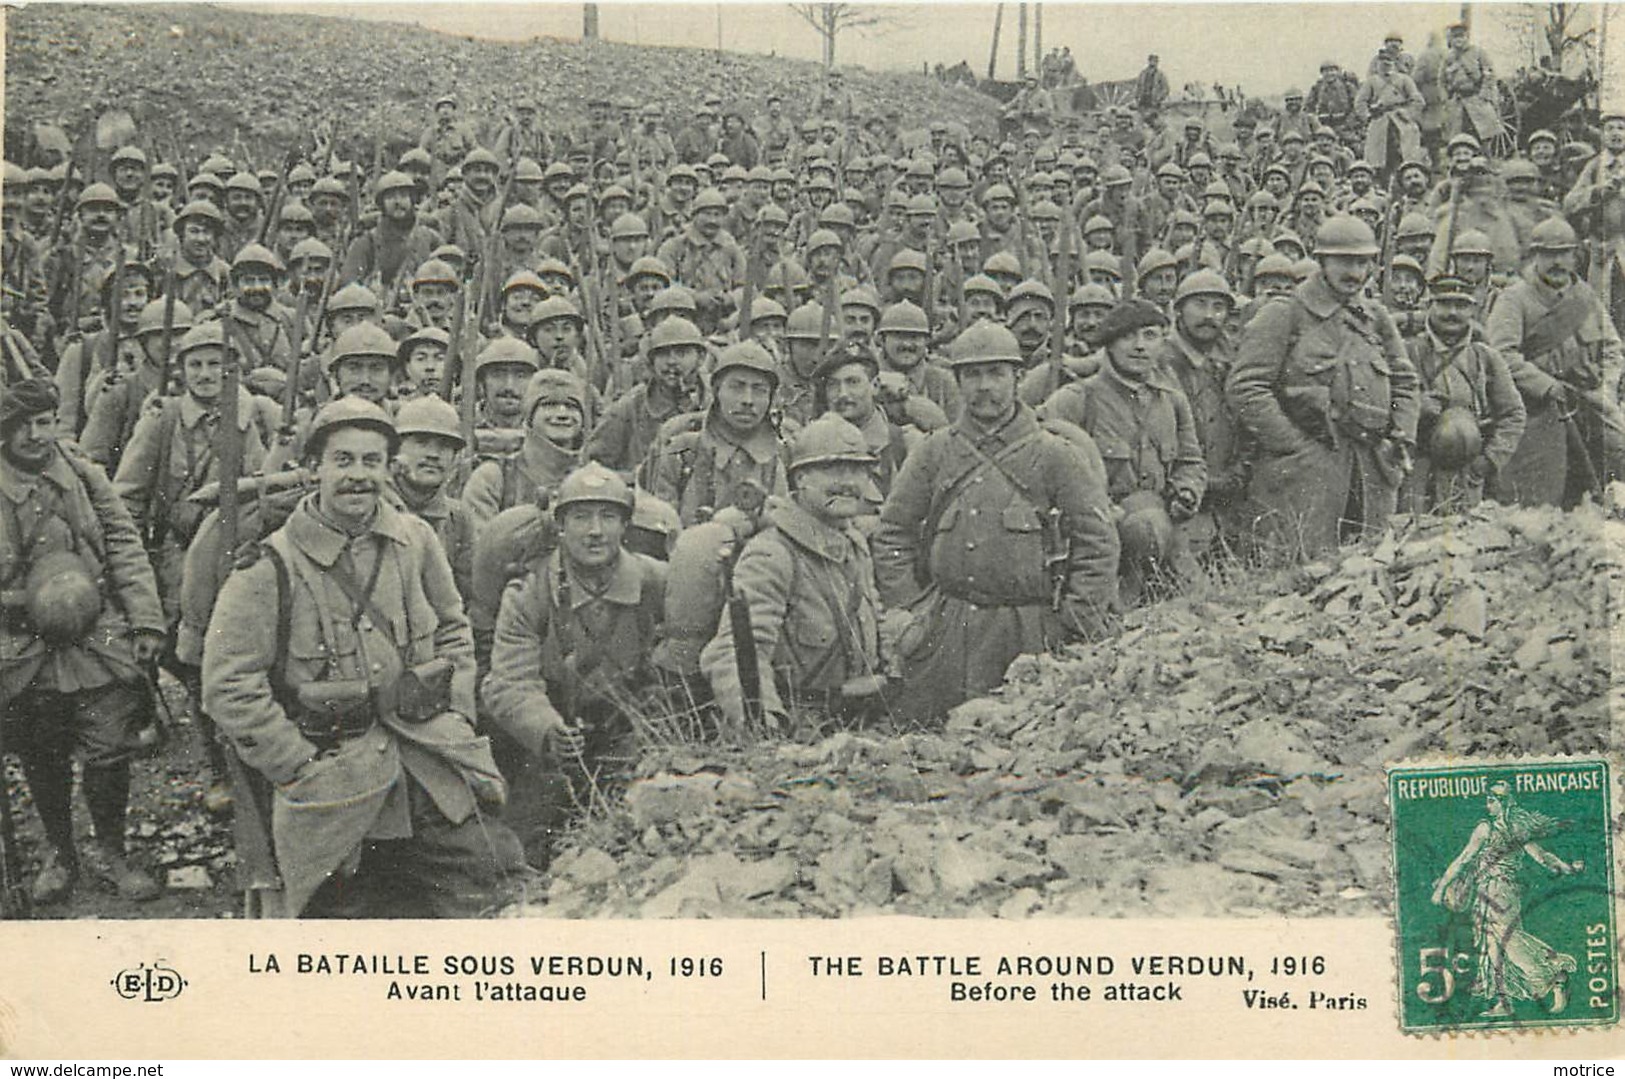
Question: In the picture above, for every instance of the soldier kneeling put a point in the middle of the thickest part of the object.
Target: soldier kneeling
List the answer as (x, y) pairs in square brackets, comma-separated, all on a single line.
[(571, 656)]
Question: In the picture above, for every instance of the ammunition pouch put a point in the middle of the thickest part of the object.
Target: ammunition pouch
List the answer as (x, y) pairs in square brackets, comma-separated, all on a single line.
[(336, 710), (420, 693)]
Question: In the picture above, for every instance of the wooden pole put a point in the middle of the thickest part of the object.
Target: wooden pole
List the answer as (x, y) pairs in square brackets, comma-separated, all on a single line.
[(1038, 38), (993, 55), (1021, 41)]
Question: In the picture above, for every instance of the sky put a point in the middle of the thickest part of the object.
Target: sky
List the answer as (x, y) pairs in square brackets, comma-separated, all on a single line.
[(1263, 48)]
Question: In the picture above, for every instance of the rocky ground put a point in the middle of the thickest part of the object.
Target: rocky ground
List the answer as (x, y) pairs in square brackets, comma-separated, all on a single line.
[(169, 833), (196, 78), (1223, 756)]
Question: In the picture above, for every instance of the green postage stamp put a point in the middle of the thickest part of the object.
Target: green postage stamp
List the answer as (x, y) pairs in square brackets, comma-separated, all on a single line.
[(1504, 895)]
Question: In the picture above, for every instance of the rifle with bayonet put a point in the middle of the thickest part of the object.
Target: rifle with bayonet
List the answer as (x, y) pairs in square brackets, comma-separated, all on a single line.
[(273, 207), (1061, 287), (1389, 228)]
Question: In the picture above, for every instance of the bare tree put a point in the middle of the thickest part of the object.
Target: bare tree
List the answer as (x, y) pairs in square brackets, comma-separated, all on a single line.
[(830, 20), (1556, 34)]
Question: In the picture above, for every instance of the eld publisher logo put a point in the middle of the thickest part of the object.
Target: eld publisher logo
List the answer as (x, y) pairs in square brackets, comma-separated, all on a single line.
[(151, 984)]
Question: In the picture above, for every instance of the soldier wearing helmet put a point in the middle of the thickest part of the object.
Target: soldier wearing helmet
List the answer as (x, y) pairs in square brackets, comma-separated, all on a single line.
[(522, 293), (1596, 203), (147, 220), (705, 258), (118, 401), (808, 582), (809, 335), (1333, 440), (1002, 230), (1565, 357), (676, 350), (420, 474), (294, 223), (556, 412), (436, 290), (556, 331), (1141, 421), (1390, 107), (1472, 416), (376, 737), (522, 137), (1199, 353), (262, 330), (421, 359), (447, 139), (1482, 210), (82, 615), (172, 453), (88, 363), (572, 643), (730, 454), (471, 217), (385, 255), (87, 261), (1468, 83), (904, 341), (502, 369), (1030, 313), (996, 536)]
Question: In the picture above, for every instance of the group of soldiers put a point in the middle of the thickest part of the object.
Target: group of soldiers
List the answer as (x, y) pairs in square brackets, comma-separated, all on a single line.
[(444, 490)]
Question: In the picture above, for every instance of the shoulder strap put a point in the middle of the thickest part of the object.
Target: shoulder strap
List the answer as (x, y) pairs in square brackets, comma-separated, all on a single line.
[(158, 513), (281, 692)]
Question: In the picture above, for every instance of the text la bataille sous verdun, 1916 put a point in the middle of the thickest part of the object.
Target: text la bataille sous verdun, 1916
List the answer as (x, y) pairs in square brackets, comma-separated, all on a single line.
[(1288, 981)]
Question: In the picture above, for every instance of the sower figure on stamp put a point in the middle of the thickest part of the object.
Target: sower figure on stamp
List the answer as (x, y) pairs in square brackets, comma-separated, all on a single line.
[(570, 655), (357, 709), (81, 616), (997, 535), (1483, 879)]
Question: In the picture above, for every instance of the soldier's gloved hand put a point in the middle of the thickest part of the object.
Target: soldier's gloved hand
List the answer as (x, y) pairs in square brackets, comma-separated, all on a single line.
[(146, 644), (1183, 504)]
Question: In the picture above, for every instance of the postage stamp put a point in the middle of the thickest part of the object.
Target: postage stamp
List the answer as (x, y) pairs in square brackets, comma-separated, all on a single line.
[(1504, 899)]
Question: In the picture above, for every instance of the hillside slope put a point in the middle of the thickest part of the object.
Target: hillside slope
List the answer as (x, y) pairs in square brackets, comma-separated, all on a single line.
[(198, 76)]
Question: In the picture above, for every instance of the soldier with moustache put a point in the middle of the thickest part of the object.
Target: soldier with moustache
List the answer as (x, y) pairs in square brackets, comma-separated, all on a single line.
[(357, 710)]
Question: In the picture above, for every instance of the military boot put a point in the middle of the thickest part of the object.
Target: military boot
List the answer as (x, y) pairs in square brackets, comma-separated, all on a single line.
[(108, 864), (55, 880)]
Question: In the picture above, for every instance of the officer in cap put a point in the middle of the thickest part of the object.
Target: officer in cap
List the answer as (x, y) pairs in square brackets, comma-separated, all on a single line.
[(1472, 415), (572, 644), (1331, 452), (82, 618), (996, 535), (374, 741), (809, 584)]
